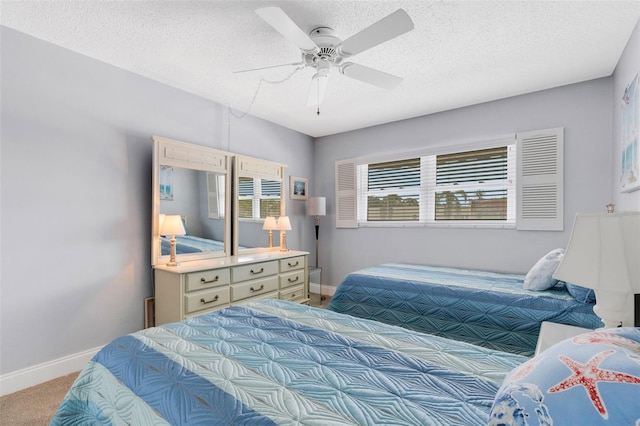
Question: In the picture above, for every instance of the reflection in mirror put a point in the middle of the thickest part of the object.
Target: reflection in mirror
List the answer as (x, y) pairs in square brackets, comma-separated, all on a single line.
[(259, 193), (198, 197), (190, 181)]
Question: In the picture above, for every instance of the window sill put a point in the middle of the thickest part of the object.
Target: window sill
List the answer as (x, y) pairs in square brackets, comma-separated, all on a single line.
[(436, 225)]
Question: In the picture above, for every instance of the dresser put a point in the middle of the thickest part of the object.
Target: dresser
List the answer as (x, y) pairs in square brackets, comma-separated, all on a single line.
[(197, 287)]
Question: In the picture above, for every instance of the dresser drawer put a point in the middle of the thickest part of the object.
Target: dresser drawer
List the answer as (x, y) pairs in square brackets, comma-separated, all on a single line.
[(253, 271), (206, 299), (253, 288), (293, 293), (292, 278), (205, 279), (291, 263)]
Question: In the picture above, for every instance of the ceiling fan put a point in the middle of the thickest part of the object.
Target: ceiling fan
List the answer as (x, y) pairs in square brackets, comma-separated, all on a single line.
[(322, 50)]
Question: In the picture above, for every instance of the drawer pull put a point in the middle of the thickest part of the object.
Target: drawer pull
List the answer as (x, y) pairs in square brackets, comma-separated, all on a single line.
[(253, 289), (204, 281), (293, 265), (257, 272), (205, 302), (293, 280)]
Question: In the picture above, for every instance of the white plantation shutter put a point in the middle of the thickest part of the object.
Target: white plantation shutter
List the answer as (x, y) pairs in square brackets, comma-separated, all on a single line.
[(346, 194), (540, 180)]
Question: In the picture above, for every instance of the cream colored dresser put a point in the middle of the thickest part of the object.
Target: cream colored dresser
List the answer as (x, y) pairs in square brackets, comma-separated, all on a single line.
[(197, 287)]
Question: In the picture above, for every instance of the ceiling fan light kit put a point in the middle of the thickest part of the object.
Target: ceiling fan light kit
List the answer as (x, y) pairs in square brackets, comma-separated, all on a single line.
[(322, 50)]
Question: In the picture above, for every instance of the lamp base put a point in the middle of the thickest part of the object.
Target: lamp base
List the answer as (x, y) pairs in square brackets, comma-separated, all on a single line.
[(614, 308)]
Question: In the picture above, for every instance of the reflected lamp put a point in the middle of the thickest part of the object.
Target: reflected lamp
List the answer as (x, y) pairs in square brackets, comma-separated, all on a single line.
[(270, 225), (171, 226)]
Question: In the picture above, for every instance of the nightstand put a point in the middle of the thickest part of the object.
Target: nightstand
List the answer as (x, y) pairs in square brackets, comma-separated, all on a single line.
[(552, 333)]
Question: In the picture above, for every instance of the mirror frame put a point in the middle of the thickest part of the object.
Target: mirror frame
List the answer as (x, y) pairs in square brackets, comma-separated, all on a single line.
[(245, 166), (168, 152)]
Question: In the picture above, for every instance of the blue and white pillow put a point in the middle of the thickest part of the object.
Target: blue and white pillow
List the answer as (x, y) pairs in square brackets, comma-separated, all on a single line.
[(590, 379), (540, 276)]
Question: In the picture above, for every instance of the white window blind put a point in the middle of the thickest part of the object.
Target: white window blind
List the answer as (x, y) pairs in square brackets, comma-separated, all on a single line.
[(473, 186), (269, 198), (393, 190)]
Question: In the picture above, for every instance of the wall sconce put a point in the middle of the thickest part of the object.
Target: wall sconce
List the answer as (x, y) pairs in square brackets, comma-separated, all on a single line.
[(284, 225), (171, 226), (603, 254), (270, 225)]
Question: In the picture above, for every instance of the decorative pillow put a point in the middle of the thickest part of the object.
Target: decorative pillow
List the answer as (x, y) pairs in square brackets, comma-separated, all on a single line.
[(593, 377), (581, 294), (540, 277)]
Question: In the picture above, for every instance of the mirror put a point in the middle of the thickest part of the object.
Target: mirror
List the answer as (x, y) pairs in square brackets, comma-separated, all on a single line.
[(259, 192), (191, 181)]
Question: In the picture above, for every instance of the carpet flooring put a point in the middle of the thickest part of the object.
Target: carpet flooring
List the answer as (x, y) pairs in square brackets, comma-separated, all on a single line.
[(36, 405)]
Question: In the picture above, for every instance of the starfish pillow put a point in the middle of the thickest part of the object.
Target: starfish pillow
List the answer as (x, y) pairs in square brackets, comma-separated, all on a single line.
[(590, 379)]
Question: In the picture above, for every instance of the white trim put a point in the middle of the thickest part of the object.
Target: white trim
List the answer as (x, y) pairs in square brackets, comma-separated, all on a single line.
[(31, 376), (327, 289)]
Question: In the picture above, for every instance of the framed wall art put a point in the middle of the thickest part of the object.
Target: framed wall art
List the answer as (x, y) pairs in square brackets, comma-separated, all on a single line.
[(629, 154), (298, 188)]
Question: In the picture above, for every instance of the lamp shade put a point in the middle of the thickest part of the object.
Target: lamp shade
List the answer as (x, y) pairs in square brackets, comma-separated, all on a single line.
[(172, 225), (270, 224), (317, 206), (603, 252), (284, 224)]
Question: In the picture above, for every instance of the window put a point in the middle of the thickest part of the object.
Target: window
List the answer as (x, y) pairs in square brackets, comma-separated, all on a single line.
[(475, 185), (470, 187), (258, 198)]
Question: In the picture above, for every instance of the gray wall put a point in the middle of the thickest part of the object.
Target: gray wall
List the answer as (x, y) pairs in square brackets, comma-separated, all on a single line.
[(584, 110), (76, 193), (628, 67)]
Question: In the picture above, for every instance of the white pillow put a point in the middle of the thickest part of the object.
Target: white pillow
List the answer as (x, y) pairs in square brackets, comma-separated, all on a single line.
[(540, 277)]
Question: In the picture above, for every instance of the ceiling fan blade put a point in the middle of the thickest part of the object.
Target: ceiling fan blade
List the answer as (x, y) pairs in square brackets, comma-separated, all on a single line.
[(385, 29), (317, 89), (269, 67), (369, 75), (281, 22)]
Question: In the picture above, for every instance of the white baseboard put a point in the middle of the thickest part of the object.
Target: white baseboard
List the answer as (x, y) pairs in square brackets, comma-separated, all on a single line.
[(327, 290), (31, 376)]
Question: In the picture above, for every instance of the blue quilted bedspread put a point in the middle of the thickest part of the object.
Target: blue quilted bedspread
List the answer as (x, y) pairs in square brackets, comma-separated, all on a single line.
[(277, 362), (485, 308)]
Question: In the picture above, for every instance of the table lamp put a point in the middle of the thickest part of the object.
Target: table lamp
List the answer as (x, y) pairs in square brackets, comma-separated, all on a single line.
[(604, 254)]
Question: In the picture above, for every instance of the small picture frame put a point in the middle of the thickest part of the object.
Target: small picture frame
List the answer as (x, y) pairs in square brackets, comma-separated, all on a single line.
[(298, 188)]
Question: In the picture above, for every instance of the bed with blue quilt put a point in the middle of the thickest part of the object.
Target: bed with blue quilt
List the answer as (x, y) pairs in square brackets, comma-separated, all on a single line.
[(186, 244), (489, 309), (278, 362)]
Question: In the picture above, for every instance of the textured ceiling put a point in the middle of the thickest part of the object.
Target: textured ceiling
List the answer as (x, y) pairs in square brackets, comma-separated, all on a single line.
[(460, 52)]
